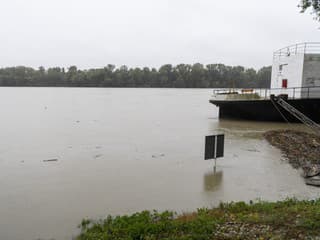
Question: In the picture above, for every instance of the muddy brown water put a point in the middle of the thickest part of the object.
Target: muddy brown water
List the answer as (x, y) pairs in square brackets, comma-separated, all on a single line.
[(118, 151)]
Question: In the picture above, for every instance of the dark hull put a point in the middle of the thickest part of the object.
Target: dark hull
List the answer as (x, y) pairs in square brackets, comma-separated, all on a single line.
[(264, 110)]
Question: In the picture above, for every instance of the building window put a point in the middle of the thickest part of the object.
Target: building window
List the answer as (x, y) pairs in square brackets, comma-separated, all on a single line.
[(284, 83), (281, 66)]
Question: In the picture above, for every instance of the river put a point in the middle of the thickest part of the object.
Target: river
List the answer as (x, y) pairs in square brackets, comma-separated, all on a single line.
[(118, 151)]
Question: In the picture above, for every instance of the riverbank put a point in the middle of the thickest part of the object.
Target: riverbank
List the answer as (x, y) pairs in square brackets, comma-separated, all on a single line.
[(300, 148), (289, 219)]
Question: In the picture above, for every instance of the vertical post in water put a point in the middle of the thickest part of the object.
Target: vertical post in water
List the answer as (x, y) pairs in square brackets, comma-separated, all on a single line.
[(215, 154), (214, 148)]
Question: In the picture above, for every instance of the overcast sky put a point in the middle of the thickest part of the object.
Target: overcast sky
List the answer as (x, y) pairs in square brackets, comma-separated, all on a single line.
[(93, 33)]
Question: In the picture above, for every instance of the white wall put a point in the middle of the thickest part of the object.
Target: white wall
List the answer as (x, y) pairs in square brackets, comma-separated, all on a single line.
[(292, 70), (311, 75)]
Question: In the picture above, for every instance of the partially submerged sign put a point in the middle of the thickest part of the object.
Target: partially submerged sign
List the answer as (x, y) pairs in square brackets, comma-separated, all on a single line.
[(214, 147)]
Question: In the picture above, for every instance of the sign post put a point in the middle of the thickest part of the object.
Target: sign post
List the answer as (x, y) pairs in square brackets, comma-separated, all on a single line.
[(214, 148)]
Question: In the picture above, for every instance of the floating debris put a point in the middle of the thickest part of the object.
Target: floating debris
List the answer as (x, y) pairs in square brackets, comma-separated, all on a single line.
[(156, 156), (51, 160), (252, 150), (98, 155)]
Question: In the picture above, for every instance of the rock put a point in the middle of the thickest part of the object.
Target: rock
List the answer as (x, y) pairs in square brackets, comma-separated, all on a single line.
[(315, 143), (314, 181), (311, 170)]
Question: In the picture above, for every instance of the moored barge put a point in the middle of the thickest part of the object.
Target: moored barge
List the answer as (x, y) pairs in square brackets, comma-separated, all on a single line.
[(295, 78)]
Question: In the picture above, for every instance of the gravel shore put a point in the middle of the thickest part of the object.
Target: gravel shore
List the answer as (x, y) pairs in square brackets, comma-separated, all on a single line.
[(300, 148)]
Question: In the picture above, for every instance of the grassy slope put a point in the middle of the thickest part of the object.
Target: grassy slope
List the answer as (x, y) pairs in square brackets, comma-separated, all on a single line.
[(290, 219)]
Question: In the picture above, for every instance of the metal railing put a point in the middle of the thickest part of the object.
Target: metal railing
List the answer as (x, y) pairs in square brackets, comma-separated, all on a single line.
[(299, 48), (265, 93), (299, 115)]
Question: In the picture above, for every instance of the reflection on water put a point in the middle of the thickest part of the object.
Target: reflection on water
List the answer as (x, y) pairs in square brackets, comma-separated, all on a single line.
[(212, 180)]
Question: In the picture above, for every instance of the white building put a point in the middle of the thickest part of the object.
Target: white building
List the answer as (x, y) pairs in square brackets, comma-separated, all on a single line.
[(296, 70)]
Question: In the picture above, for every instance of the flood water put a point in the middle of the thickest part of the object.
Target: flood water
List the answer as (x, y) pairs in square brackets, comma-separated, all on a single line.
[(119, 151)]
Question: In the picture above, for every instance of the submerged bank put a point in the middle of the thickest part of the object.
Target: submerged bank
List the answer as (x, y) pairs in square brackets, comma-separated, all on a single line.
[(289, 219), (300, 148)]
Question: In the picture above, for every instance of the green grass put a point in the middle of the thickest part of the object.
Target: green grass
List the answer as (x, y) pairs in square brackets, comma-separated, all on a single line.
[(289, 219)]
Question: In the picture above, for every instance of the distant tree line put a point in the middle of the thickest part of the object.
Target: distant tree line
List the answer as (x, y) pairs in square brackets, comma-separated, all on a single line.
[(167, 76)]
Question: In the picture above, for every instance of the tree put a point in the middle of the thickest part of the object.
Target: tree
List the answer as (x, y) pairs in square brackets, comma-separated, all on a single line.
[(165, 75), (54, 76), (198, 76), (313, 4), (182, 72), (72, 75), (264, 77)]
